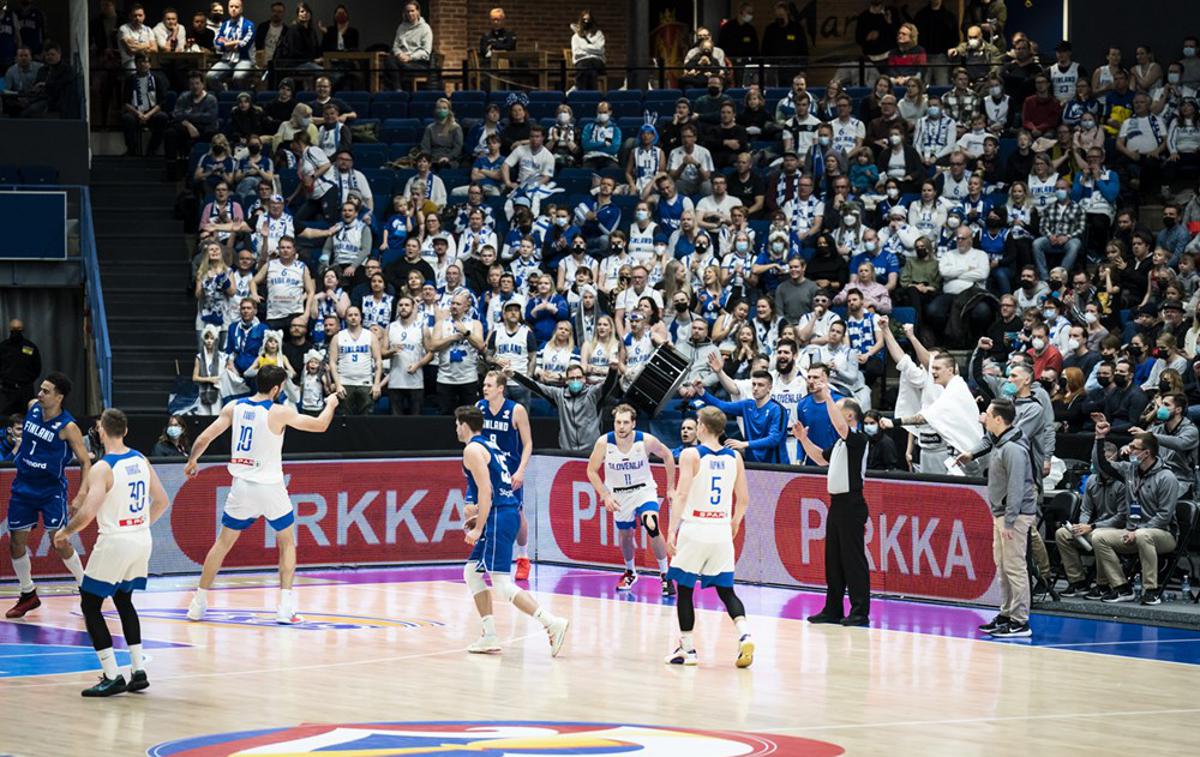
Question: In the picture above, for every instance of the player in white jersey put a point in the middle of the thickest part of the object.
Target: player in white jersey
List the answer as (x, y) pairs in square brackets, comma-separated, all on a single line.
[(706, 513), (256, 464), (627, 488), (120, 486)]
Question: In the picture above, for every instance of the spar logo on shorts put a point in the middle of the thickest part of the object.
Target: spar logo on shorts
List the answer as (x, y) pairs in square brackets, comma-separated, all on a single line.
[(495, 740), (260, 618)]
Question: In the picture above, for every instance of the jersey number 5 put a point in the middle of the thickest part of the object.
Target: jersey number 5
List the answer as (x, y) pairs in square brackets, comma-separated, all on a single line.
[(715, 497)]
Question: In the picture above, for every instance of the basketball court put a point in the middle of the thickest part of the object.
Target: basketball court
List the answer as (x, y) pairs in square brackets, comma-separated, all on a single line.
[(379, 668)]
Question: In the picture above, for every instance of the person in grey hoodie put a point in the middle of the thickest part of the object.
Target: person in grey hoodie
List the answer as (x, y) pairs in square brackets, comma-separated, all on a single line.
[(1148, 515), (1103, 499), (1012, 495), (412, 48), (578, 405), (697, 350), (1178, 438)]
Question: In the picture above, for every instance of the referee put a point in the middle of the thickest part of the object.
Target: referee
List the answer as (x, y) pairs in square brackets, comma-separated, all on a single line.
[(845, 527)]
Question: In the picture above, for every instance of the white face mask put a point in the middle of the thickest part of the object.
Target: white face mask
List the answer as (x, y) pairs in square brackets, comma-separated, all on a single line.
[(997, 91), (953, 222), (564, 118), (1173, 78), (895, 139), (1039, 344), (601, 118), (893, 193), (1090, 317), (849, 220), (742, 246), (1072, 344), (974, 42), (642, 215)]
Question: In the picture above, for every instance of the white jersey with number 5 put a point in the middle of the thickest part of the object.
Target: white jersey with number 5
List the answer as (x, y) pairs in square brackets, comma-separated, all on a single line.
[(126, 506), (625, 470), (710, 499), (256, 452)]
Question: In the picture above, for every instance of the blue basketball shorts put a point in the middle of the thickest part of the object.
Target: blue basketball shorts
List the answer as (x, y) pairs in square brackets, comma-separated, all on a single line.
[(24, 509), (494, 550)]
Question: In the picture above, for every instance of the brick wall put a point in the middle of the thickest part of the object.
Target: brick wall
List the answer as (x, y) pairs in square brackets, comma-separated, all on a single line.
[(458, 25)]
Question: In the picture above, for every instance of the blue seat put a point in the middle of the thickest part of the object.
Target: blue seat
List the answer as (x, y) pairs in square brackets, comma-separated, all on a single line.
[(584, 96), (455, 177), (464, 111), (306, 96), (392, 133), (197, 152), (369, 155), (778, 92), (937, 90), (858, 93), (358, 102), (468, 95), (39, 174), (425, 96), (904, 315), (499, 95), (624, 95), (627, 108), (266, 96), (540, 110), (10, 175), (627, 204), (226, 98), (397, 150), (388, 109), (288, 181), (546, 96), (630, 125), (669, 92), (737, 94), (692, 93), (390, 97)]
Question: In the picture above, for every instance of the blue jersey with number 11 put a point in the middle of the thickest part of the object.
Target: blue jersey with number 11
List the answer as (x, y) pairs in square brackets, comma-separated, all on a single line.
[(502, 491)]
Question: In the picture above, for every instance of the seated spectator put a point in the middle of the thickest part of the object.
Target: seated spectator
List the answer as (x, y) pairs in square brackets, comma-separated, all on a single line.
[(601, 140), (587, 52), (563, 138), (914, 105), (882, 454), (200, 38), (300, 47), (246, 120), (145, 91), (242, 346), (963, 308), (254, 168), (169, 36), (412, 48), (174, 440), (690, 165), (1041, 111), (1062, 229), (333, 136), (54, 93), (1142, 142), (19, 81), (443, 139), (282, 108), (1148, 527), (341, 36), (215, 166), (234, 43), (1183, 143), (268, 34), (194, 119), (1104, 498)]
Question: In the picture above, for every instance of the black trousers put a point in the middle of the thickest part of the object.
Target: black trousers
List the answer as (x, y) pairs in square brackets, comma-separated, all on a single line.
[(406, 401), (133, 127), (451, 396), (846, 556)]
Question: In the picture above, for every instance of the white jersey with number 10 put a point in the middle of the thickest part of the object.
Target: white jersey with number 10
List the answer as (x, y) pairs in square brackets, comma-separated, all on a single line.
[(256, 452), (710, 499)]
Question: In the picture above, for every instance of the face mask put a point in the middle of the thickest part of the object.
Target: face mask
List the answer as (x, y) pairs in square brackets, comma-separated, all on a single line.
[(574, 386), (341, 18), (934, 111), (1087, 125), (977, 130), (16, 335), (1103, 381), (1090, 317), (560, 222), (1135, 350), (778, 246), (848, 220), (895, 139), (748, 18), (823, 141), (870, 429), (174, 432), (601, 118), (1168, 222), (922, 252), (893, 193), (1120, 381), (1050, 315), (742, 246), (869, 245), (974, 42), (1164, 387), (643, 215), (1173, 78), (681, 307), (304, 122), (997, 91), (1039, 344), (1027, 284), (953, 222), (1008, 389), (714, 91), (993, 222), (1055, 285), (564, 118), (442, 113), (1060, 194), (1189, 52), (1048, 385)]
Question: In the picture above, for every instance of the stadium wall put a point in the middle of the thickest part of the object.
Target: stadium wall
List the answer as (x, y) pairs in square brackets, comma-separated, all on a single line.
[(925, 538)]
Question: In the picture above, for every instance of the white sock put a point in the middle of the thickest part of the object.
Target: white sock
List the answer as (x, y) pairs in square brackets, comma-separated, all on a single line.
[(24, 570), (742, 628), (629, 565), (108, 661), (287, 598), (489, 625), (135, 658), (662, 568), (686, 643), (202, 595), (75, 566), (544, 617), (523, 551)]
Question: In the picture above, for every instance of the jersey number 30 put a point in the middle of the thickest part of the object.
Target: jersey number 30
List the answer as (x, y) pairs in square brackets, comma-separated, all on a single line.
[(137, 496)]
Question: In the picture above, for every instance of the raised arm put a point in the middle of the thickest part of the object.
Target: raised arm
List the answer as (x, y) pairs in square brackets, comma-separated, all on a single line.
[(316, 425)]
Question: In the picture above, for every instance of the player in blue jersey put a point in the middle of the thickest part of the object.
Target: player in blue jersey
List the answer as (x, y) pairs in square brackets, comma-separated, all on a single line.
[(492, 521), (507, 424), (48, 440)]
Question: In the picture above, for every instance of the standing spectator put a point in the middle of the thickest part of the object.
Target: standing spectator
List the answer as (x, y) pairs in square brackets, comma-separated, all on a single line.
[(356, 365), (301, 44), (938, 28), (412, 48), (135, 37), (297, 344), (235, 45), (737, 36), (874, 32), (405, 346), (289, 286), (443, 139), (268, 34), (457, 339), (1018, 74), (907, 59), (145, 91), (587, 51), (545, 310), (785, 39), (497, 38), (193, 120), (1191, 61), (20, 369), (206, 371), (578, 405), (213, 286)]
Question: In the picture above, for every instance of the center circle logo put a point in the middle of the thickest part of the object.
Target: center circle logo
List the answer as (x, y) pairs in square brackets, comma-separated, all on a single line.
[(495, 739)]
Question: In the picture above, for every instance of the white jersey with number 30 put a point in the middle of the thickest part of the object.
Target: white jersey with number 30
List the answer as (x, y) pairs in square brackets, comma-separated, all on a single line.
[(256, 453), (710, 498), (126, 505)]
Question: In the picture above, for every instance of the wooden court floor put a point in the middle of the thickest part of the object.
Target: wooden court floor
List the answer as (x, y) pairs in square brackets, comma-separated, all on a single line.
[(388, 646)]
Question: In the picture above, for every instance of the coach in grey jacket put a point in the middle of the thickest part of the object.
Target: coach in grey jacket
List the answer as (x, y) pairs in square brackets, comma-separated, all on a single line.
[(1148, 515), (1012, 495)]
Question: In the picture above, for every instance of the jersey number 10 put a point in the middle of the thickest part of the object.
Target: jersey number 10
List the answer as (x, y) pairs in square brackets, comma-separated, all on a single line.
[(245, 438)]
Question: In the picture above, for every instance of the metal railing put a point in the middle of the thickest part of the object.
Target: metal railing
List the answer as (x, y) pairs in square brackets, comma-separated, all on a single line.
[(94, 291)]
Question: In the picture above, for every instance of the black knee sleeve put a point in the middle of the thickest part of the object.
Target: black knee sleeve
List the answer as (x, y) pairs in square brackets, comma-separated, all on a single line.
[(650, 523), (733, 605), (131, 625), (685, 610), (92, 618)]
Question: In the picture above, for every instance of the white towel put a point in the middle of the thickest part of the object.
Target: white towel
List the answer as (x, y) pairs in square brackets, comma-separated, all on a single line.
[(916, 391), (955, 416)]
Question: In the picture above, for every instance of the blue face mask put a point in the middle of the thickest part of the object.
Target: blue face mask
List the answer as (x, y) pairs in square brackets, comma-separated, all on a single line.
[(575, 386), (870, 429), (1163, 413), (1009, 389), (175, 432)]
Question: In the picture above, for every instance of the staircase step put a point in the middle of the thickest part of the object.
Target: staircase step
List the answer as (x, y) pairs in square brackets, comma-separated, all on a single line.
[(156, 300), (114, 224), (162, 248), (153, 400)]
